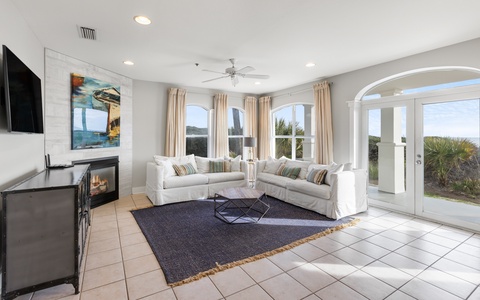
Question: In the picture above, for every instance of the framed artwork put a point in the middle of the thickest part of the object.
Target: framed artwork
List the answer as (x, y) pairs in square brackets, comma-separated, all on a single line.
[(95, 113)]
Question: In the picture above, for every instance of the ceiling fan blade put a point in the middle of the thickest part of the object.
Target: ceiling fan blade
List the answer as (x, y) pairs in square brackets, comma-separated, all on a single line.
[(255, 76), (214, 72), (234, 80), (215, 78), (246, 69)]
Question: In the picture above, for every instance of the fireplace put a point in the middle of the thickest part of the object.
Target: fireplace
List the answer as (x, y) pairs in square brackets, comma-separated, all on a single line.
[(103, 179)]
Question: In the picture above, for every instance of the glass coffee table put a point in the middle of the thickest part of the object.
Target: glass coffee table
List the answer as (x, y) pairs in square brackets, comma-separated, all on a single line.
[(240, 205)]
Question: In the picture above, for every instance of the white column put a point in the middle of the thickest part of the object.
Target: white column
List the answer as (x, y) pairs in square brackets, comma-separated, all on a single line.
[(391, 168)]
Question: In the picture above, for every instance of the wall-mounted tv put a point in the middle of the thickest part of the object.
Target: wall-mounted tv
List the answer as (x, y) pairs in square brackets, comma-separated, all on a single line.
[(23, 95)]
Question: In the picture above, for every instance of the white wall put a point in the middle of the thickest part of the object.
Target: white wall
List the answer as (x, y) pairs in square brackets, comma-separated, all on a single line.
[(21, 155), (150, 119), (58, 129)]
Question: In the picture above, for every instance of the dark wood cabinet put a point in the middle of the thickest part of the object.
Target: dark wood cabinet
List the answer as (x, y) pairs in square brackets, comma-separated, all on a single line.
[(45, 220)]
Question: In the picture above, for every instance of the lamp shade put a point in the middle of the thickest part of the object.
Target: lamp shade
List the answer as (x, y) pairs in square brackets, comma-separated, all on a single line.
[(250, 142)]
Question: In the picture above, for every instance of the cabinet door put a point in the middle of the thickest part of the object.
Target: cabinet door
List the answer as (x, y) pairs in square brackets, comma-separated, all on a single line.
[(40, 237)]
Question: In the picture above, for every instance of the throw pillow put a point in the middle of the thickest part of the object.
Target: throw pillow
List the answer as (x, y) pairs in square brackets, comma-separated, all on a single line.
[(202, 164), (166, 163), (285, 171), (273, 164), (186, 169), (235, 162), (303, 165), (317, 176), (219, 166), (332, 169)]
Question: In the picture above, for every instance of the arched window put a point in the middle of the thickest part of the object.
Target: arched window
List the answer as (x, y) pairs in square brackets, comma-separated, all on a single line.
[(294, 132), (235, 131), (197, 130)]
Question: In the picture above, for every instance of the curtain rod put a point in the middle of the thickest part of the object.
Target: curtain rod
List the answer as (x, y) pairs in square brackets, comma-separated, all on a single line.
[(297, 92)]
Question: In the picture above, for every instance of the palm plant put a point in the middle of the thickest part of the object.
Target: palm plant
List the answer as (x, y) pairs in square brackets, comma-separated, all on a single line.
[(444, 154)]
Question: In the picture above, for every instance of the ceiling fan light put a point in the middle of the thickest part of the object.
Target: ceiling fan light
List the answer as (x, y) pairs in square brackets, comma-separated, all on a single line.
[(142, 20)]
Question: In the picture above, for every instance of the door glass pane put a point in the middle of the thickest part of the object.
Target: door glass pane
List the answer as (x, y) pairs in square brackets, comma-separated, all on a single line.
[(386, 155), (451, 132), (235, 122)]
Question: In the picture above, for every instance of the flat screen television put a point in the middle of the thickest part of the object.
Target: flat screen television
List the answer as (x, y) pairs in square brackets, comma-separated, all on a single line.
[(23, 95)]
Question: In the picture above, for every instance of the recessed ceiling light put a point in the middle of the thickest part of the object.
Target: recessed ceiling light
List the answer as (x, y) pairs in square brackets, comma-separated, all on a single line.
[(142, 20), (257, 82), (309, 65), (128, 62)]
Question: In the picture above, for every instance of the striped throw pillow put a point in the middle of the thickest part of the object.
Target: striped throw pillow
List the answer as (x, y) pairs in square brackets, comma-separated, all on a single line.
[(288, 172), (186, 169), (220, 166), (317, 176)]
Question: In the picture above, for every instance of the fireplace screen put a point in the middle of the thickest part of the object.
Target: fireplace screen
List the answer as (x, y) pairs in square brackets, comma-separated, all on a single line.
[(102, 181)]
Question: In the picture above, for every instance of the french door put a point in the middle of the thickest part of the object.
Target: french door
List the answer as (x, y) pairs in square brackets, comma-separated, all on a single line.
[(423, 156)]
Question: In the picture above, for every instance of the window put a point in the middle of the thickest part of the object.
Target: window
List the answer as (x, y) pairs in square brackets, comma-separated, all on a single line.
[(235, 132), (294, 132), (197, 130)]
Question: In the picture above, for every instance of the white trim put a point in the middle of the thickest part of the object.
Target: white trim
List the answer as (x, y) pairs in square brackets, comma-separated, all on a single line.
[(363, 91)]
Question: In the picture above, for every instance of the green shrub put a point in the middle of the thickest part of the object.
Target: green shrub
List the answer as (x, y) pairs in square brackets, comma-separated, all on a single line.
[(373, 170), (468, 186), (443, 155)]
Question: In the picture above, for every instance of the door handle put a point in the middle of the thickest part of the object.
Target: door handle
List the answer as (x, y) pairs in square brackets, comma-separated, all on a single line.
[(418, 162)]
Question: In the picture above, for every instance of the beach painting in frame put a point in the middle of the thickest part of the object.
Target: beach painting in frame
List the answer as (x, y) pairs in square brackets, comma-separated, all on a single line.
[(95, 113)]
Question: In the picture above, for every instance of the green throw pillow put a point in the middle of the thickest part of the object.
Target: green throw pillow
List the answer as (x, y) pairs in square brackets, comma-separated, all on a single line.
[(288, 172), (185, 169), (219, 166)]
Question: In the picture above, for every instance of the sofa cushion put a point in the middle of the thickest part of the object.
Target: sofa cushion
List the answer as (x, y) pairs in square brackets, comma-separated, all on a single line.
[(186, 169), (303, 165), (305, 187), (184, 181), (224, 177), (273, 179)]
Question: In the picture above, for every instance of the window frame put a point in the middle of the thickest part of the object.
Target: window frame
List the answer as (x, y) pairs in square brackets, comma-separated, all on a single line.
[(243, 128), (293, 136), (208, 135)]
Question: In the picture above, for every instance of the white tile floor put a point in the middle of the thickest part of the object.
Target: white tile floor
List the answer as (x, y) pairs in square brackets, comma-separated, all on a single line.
[(385, 256)]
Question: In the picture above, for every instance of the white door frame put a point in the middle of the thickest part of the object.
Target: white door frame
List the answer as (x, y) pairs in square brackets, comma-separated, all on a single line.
[(414, 132)]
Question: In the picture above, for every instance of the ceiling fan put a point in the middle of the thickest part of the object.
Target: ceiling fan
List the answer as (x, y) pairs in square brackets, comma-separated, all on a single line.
[(234, 73)]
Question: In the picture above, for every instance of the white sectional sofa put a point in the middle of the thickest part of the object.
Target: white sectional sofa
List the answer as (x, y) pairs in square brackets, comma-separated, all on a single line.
[(344, 193), (164, 186)]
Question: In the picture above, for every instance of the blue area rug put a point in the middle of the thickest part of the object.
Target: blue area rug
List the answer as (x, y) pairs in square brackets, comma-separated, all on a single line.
[(190, 243)]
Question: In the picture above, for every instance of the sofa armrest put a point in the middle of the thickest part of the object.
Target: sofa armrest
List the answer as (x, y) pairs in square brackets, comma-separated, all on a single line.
[(155, 176), (259, 166), (349, 192)]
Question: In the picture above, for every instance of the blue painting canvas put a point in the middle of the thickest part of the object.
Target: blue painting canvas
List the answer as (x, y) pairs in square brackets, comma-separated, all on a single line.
[(95, 113)]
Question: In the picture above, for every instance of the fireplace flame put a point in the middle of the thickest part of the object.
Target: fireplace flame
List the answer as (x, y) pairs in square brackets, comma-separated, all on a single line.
[(98, 185)]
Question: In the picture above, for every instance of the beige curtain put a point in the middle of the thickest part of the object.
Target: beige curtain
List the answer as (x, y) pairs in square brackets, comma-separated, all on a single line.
[(251, 120), (220, 104), (175, 135), (323, 127), (264, 128)]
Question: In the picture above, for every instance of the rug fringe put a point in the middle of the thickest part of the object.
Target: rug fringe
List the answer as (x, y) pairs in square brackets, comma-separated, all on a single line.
[(220, 267)]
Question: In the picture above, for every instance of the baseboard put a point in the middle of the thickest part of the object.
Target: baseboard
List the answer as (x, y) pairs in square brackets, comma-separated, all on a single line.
[(138, 190)]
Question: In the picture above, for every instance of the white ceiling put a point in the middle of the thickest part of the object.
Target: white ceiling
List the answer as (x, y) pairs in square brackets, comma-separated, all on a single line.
[(276, 37)]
